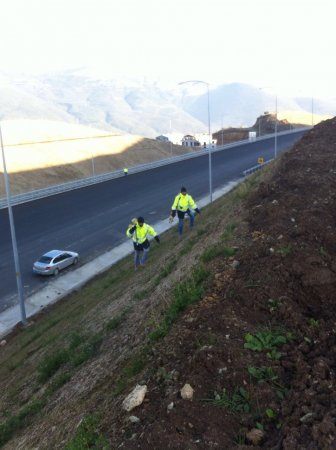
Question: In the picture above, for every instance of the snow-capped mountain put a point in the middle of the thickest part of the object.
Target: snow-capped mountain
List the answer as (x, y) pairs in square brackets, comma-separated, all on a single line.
[(141, 107)]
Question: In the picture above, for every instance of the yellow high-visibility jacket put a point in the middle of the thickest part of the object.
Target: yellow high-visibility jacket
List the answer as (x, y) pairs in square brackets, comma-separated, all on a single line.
[(183, 203), (139, 234)]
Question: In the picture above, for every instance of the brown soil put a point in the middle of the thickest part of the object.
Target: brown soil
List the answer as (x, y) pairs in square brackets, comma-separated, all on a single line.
[(282, 280), (289, 257)]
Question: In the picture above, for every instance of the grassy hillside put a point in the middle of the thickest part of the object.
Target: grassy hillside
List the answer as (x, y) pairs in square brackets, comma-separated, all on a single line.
[(241, 308)]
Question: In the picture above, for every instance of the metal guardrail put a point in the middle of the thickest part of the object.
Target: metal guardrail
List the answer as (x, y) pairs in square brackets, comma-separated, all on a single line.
[(257, 167), (84, 182)]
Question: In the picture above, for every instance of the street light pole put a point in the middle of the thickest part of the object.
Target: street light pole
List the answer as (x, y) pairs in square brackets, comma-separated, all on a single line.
[(209, 131), (14, 244)]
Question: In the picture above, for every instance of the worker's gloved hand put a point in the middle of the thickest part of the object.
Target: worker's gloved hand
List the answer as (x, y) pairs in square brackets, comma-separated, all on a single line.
[(157, 239), (131, 228), (171, 218), (173, 213), (198, 211)]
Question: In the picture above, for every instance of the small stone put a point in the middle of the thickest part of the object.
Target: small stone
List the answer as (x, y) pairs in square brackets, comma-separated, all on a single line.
[(134, 419), (3, 343), (271, 250), (292, 219), (275, 202), (235, 264), (306, 417), (222, 369), (227, 336), (170, 406), (255, 436), (187, 392), (135, 398)]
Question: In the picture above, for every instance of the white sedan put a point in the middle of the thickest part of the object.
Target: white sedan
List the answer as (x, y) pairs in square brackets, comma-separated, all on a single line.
[(52, 262)]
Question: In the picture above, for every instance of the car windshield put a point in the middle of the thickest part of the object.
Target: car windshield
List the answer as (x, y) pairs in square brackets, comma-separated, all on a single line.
[(45, 259)]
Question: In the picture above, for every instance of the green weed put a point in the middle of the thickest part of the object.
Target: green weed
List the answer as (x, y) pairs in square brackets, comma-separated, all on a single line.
[(19, 421), (88, 437), (140, 295), (238, 402), (263, 374), (51, 363), (185, 293), (314, 323), (115, 322), (285, 250), (215, 251), (267, 340)]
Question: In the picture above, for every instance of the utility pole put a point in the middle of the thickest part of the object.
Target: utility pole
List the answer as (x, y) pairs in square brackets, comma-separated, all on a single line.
[(14, 244)]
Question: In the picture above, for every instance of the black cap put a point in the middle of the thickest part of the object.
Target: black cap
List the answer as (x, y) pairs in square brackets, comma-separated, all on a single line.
[(183, 189), (141, 220)]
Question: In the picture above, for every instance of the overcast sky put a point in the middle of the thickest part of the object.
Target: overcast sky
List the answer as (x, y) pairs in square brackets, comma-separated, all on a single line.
[(284, 45)]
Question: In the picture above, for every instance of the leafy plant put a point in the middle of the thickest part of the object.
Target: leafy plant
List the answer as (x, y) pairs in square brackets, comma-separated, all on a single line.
[(273, 304), (267, 340), (271, 414), (263, 374), (314, 323), (323, 251)]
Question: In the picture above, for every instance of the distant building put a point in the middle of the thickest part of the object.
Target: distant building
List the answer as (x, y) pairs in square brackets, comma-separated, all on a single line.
[(162, 138), (190, 141)]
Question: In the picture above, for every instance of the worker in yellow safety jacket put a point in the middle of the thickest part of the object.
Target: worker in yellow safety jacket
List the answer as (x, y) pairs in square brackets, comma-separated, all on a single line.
[(138, 230), (183, 204)]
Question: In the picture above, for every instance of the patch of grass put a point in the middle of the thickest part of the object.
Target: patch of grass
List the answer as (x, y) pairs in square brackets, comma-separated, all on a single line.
[(187, 247), (51, 363), (59, 381), (185, 293), (228, 232), (215, 251), (19, 421), (167, 270), (141, 295), (133, 367), (80, 349), (88, 437), (238, 402), (86, 351), (115, 322)]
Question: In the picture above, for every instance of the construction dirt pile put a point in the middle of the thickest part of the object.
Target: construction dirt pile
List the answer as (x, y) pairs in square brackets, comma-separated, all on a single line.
[(259, 351)]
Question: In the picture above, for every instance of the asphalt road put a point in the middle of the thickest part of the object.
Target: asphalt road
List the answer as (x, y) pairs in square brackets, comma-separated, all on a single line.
[(94, 219)]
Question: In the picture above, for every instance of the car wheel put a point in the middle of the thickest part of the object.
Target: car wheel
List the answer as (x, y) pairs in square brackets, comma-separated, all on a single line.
[(56, 272), (75, 261)]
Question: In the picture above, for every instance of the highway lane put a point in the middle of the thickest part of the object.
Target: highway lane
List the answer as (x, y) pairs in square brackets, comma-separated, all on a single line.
[(93, 220)]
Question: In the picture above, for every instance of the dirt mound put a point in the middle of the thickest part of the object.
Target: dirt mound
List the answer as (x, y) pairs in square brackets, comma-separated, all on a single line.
[(260, 349)]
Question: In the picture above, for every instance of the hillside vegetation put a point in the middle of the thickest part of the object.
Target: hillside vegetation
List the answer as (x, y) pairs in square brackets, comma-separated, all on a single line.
[(242, 309)]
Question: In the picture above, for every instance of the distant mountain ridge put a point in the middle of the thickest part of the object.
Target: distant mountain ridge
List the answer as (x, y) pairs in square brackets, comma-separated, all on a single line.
[(141, 107)]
